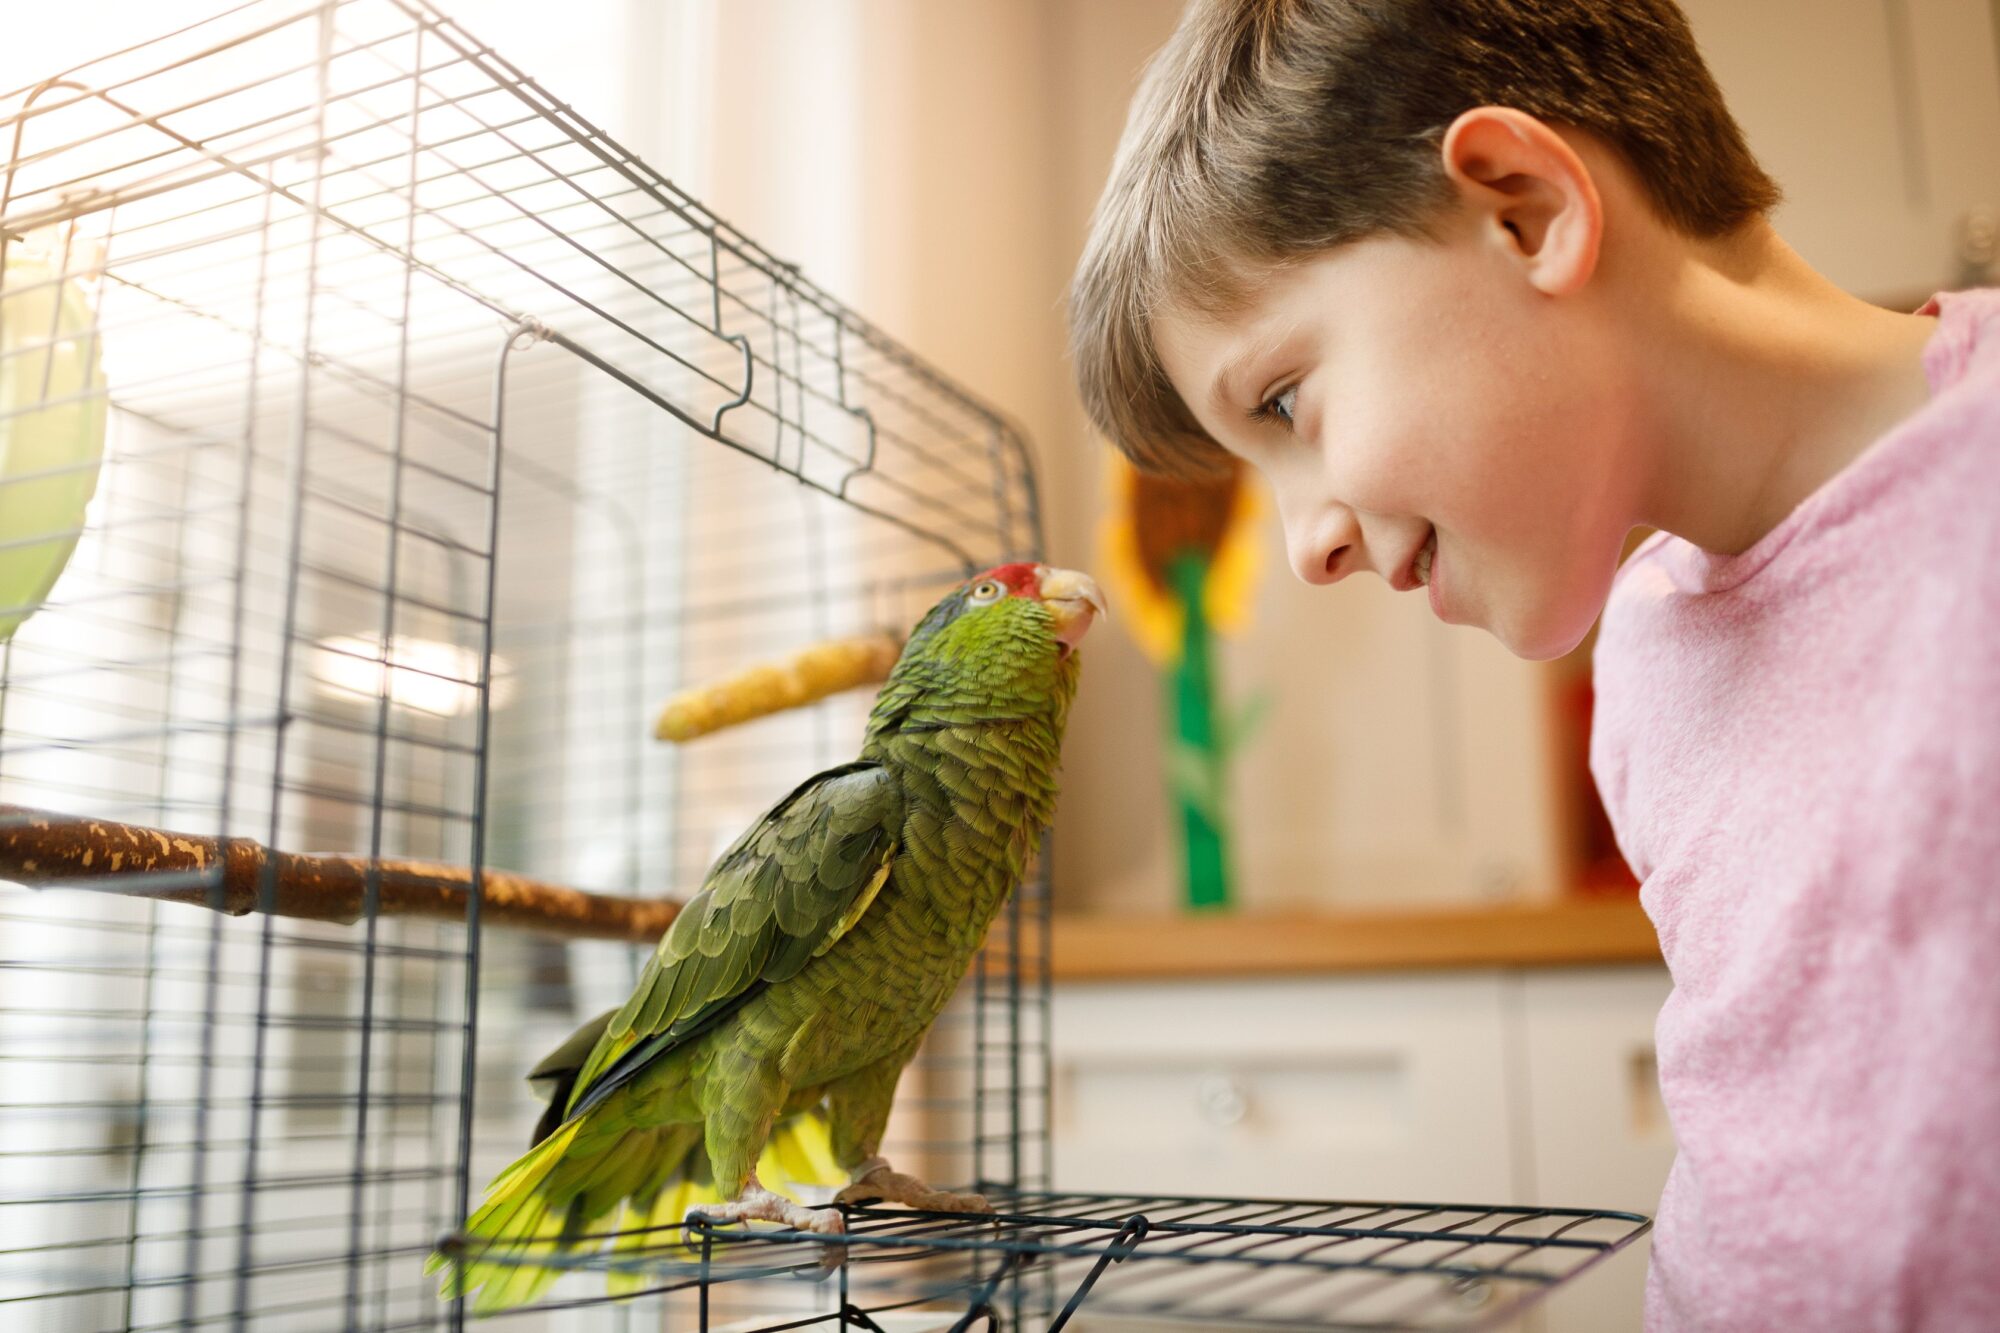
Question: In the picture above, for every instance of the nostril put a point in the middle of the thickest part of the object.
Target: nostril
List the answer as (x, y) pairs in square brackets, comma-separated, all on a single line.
[(1333, 561)]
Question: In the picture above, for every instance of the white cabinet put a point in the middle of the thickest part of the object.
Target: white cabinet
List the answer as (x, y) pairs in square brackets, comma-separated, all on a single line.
[(1593, 1131), (1352, 1089), (1486, 1086)]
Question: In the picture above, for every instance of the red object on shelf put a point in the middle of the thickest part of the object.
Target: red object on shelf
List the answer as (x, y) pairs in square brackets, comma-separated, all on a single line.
[(1601, 869)]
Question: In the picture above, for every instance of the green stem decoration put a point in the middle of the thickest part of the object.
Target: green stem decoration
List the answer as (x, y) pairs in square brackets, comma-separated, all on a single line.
[(1197, 744)]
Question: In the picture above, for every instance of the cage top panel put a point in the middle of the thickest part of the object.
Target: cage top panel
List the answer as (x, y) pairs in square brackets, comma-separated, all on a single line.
[(314, 177)]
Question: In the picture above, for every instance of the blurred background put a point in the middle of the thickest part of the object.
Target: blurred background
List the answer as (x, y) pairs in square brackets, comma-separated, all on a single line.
[(1433, 978), (934, 163)]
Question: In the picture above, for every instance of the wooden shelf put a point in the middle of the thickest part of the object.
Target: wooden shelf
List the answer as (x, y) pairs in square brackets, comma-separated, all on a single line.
[(1554, 934)]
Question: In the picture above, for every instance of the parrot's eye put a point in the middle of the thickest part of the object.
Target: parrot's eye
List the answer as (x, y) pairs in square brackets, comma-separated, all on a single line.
[(986, 590)]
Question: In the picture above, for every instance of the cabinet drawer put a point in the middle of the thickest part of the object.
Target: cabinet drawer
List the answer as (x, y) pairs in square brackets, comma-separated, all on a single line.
[(1341, 1088)]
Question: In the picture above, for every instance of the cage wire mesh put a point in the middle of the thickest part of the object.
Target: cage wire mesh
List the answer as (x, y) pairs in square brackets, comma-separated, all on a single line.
[(429, 440), (441, 440)]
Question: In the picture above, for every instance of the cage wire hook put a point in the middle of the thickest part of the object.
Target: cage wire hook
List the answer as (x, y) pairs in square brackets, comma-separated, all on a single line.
[(14, 158), (525, 332), (749, 383), (867, 464)]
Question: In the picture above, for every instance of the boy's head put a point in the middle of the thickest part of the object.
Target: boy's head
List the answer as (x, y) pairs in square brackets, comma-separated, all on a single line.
[(1359, 243)]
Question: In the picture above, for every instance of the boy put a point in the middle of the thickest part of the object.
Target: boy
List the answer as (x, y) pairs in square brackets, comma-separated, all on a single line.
[(1480, 286)]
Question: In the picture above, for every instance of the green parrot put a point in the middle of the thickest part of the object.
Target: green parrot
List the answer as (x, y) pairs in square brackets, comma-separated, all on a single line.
[(774, 1019)]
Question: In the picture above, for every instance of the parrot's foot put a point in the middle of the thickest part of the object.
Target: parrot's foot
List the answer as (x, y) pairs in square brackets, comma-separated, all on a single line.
[(875, 1181), (757, 1204)]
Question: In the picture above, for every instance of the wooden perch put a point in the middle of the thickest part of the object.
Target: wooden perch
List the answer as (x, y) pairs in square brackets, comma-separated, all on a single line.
[(48, 850), (772, 687)]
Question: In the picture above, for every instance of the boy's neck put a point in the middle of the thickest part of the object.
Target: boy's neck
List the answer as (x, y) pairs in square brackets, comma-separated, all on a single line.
[(1764, 381)]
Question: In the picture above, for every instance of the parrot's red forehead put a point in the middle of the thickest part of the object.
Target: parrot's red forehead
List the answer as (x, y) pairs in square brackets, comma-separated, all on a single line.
[(1020, 580)]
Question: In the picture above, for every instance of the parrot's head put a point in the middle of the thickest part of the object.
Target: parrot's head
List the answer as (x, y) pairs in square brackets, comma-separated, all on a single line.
[(1001, 644)]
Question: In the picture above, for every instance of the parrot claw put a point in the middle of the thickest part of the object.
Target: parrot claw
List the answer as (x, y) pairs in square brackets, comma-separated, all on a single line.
[(880, 1184), (757, 1204)]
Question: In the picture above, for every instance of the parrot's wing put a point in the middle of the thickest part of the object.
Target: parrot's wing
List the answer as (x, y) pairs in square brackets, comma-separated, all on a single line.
[(783, 894), (556, 1075)]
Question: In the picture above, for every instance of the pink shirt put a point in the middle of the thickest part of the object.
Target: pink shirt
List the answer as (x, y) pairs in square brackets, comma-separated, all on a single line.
[(1799, 747)]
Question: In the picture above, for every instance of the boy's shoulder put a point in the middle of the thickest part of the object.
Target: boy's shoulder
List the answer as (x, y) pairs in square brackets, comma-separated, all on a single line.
[(1928, 482), (1859, 637), (1963, 359)]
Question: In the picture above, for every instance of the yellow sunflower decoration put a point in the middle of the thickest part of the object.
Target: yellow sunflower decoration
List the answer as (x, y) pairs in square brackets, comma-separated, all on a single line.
[(1183, 561)]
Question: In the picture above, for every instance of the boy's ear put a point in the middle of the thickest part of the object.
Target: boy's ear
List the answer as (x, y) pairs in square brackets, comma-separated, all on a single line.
[(1532, 189)]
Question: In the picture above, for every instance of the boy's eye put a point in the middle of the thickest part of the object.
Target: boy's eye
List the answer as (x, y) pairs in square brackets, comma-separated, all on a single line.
[(1283, 406)]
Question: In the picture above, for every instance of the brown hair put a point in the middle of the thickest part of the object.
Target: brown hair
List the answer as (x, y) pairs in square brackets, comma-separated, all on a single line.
[(1271, 130)]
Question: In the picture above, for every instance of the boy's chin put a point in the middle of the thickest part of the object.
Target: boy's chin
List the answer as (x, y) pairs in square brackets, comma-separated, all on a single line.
[(1543, 633)]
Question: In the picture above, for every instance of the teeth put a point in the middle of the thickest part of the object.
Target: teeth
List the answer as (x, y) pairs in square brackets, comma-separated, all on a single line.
[(1423, 565)]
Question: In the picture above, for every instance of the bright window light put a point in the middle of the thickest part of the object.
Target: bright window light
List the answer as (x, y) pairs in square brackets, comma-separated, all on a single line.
[(422, 675)]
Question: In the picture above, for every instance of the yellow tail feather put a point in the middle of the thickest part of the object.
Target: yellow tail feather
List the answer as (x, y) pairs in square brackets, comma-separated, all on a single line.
[(647, 1230), (799, 1152), (516, 1224), (515, 1218)]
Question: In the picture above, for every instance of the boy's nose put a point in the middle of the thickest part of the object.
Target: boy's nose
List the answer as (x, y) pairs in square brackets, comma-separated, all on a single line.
[(1322, 536), (1334, 568), (1317, 557)]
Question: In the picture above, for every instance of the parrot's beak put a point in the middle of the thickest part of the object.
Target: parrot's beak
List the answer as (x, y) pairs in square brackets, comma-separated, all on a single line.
[(1076, 601)]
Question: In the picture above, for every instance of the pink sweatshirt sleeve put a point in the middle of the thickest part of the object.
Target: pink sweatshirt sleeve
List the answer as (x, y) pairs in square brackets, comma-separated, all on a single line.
[(1799, 747)]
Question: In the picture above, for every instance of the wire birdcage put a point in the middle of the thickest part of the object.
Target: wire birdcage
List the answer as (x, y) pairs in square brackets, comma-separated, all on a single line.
[(414, 440)]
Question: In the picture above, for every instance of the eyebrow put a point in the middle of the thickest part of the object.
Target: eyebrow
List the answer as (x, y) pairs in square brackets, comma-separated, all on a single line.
[(1225, 388), (1224, 391)]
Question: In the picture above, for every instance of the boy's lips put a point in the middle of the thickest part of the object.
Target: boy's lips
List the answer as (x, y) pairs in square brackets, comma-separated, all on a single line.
[(1405, 576)]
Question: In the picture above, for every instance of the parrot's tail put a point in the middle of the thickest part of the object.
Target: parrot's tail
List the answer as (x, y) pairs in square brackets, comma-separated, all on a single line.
[(519, 1220), (543, 1207), (799, 1152)]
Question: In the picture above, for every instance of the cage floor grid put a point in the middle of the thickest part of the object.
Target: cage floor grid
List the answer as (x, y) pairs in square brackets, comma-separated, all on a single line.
[(1209, 1262)]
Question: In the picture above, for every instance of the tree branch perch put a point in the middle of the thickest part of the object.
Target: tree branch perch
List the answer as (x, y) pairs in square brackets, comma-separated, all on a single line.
[(45, 849)]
